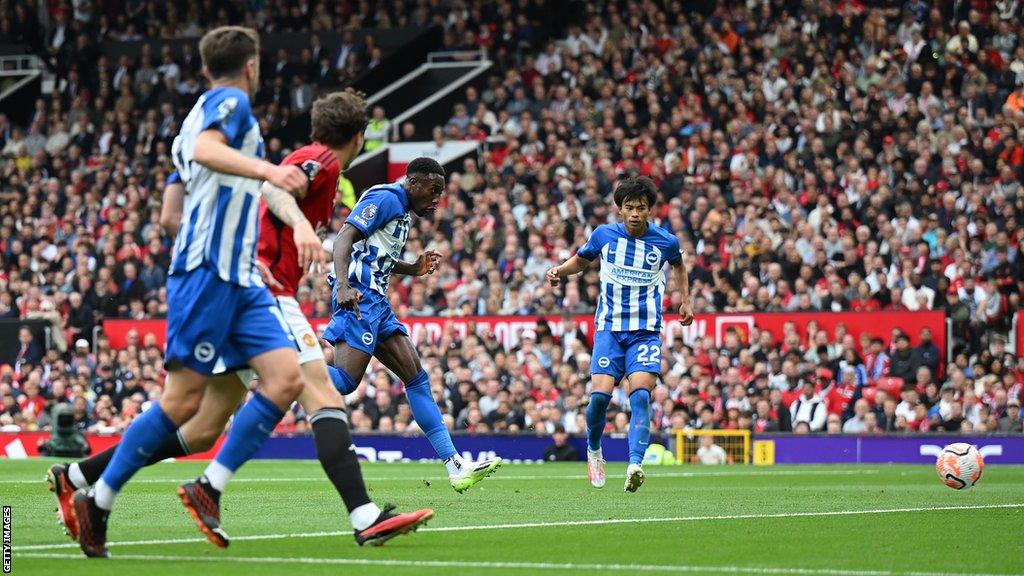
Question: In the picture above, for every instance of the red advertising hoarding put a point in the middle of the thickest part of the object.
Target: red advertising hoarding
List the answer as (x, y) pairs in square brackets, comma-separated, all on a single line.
[(509, 329), (26, 444)]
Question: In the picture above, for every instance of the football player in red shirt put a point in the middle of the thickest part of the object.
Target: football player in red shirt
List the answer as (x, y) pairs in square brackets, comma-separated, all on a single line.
[(287, 245)]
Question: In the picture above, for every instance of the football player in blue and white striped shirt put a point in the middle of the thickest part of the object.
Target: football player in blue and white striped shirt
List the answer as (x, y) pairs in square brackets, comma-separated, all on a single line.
[(367, 250), (627, 338), (220, 313)]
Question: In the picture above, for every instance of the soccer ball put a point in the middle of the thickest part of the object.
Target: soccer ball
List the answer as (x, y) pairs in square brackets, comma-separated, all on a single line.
[(960, 465)]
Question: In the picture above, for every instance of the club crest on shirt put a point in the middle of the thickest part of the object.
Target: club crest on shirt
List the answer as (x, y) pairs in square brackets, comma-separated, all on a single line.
[(651, 258)]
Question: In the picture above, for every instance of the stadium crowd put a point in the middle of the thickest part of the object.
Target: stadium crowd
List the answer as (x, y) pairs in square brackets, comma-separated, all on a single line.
[(811, 156)]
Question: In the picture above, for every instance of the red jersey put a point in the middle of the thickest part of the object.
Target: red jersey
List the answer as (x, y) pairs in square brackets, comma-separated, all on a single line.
[(277, 245)]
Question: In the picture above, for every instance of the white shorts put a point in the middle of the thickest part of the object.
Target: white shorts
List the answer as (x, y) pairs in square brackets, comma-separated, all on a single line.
[(305, 338)]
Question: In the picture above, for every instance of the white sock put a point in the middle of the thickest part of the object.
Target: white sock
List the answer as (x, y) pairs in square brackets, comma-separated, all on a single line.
[(455, 465), (104, 495), (364, 516), (595, 454), (218, 475), (76, 476)]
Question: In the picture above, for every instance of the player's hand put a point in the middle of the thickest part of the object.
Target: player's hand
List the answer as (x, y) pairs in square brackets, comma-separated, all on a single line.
[(308, 245), (268, 278), (348, 299), (552, 276), (686, 312), (428, 262), (289, 178), (328, 349)]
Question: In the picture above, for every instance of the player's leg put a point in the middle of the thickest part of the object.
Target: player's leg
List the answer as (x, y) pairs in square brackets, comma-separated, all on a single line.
[(197, 435), (606, 369), (260, 337), (643, 365), (334, 449), (396, 352), (183, 392), (327, 417), (201, 306)]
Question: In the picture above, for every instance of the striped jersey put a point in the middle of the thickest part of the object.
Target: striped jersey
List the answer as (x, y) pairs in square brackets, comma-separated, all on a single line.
[(220, 219), (632, 275), (382, 215)]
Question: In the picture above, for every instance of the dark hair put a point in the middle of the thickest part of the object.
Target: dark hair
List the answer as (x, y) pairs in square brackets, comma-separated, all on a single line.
[(225, 50), (338, 118), (636, 188), (424, 165)]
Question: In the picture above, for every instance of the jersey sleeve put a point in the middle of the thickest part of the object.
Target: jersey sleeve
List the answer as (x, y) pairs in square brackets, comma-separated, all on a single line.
[(228, 111), (671, 251), (173, 178), (321, 171), (375, 209), (592, 248)]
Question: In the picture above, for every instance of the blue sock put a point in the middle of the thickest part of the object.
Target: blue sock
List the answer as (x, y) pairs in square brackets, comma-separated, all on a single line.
[(597, 415), (142, 438), (342, 381), (250, 429), (639, 425), (428, 416)]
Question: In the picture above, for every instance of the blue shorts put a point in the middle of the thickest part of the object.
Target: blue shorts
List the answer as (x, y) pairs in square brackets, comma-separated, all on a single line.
[(209, 319), (619, 354), (377, 322)]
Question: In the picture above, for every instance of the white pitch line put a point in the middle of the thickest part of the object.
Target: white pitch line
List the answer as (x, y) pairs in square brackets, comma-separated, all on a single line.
[(599, 568), (601, 522), (505, 477)]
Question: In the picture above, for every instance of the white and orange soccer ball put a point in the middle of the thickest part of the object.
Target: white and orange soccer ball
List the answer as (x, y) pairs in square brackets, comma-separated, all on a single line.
[(960, 465)]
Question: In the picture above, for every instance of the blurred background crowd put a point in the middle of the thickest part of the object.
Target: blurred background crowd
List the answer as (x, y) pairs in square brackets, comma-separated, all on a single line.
[(811, 156)]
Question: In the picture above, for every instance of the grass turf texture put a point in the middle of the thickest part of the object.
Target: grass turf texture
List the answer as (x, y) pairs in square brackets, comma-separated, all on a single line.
[(285, 517)]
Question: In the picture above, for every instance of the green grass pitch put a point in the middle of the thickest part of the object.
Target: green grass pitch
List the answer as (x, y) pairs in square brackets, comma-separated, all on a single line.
[(285, 518)]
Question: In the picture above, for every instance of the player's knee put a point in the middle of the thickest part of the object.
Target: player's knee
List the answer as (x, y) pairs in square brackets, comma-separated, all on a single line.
[(181, 409), (640, 399), (291, 384)]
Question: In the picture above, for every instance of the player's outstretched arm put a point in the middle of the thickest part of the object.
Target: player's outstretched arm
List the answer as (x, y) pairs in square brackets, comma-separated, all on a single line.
[(683, 281), (346, 296), (284, 205), (427, 263), (212, 151), (172, 207), (573, 265)]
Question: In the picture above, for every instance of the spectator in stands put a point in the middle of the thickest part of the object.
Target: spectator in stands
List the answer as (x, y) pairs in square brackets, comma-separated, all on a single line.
[(905, 360), (1011, 423), (710, 454), (834, 424), (27, 351), (857, 424), (808, 408), (560, 450)]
